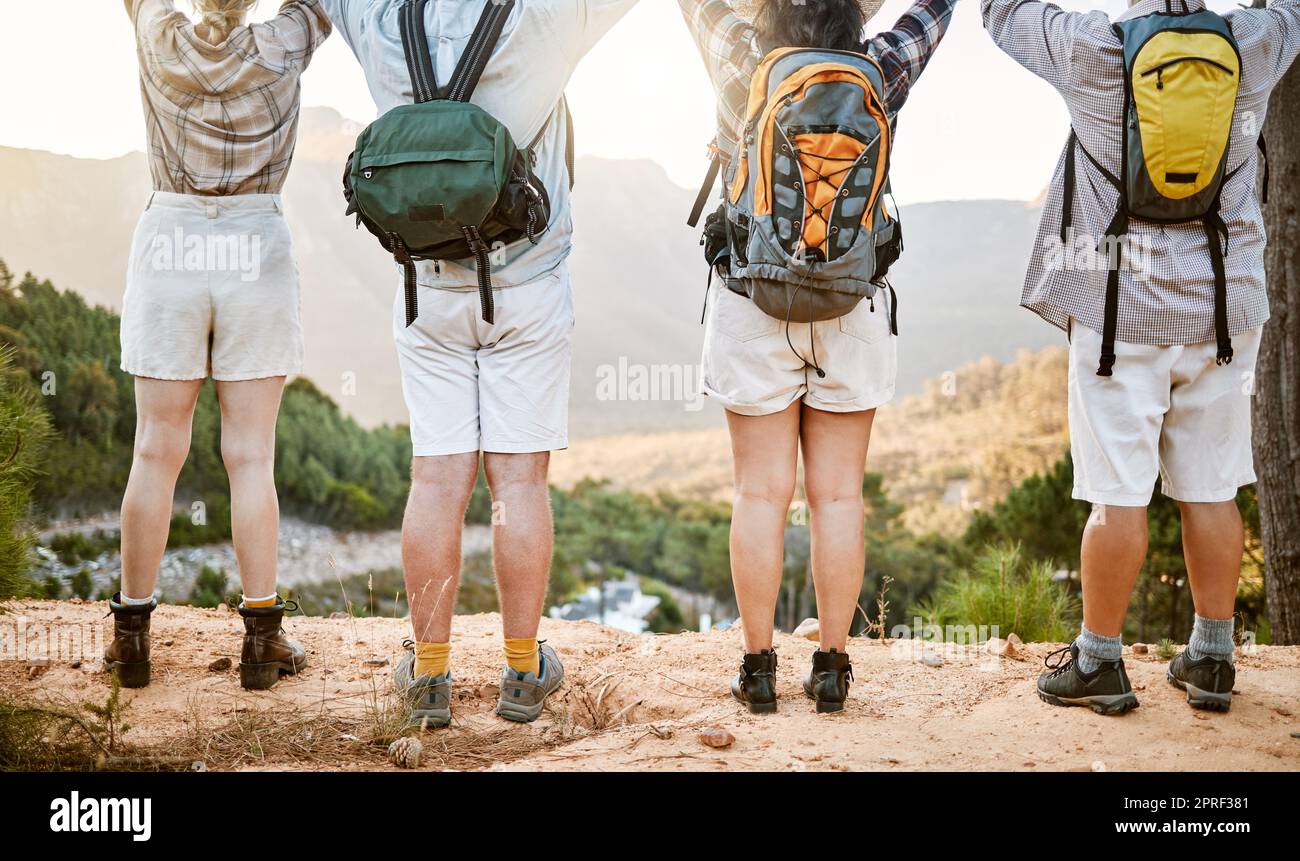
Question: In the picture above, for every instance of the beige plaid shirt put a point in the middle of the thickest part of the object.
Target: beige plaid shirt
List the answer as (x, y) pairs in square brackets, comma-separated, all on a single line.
[(223, 119)]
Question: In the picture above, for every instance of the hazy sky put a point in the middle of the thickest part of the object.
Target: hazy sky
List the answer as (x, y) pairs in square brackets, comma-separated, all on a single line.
[(977, 126)]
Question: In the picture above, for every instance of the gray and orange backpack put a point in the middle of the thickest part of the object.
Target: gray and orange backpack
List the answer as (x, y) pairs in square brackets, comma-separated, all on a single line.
[(804, 230)]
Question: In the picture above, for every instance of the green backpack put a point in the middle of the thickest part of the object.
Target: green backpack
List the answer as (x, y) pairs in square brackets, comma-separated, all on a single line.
[(443, 179)]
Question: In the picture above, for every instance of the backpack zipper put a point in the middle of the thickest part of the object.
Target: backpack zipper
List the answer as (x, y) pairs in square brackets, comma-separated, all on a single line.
[(1159, 71)]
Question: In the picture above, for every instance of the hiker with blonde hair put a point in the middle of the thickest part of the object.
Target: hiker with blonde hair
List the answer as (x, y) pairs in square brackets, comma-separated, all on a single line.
[(801, 338), (212, 290)]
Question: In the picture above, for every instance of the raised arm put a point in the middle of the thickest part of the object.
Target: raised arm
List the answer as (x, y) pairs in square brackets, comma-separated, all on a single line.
[(299, 28), (346, 17), (583, 23), (905, 51), (1037, 35), (1271, 34)]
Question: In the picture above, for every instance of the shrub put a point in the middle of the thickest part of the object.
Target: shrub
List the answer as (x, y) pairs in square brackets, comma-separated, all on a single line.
[(1005, 590)]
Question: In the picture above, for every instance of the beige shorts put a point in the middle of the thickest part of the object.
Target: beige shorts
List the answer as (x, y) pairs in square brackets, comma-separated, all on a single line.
[(212, 290), (1170, 412), (501, 388), (752, 369)]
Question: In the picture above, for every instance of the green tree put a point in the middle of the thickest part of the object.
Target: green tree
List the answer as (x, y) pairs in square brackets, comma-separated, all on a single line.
[(24, 428)]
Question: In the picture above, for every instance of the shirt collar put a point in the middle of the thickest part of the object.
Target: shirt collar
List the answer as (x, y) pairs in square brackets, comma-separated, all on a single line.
[(1150, 7)]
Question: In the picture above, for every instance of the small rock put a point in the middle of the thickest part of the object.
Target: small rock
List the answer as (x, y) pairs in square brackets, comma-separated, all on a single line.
[(169, 642), (1098, 765), (220, 665), (34, 672), (222, 608), (931, 659), (1284, 712), (1014, 639), (716, 736), (405, 752), (1028, 764), (809, 629), (76, 665), (1141, 648), (338, 615), (489, 692), (198, 765), (376, 662), (1295, 735), (1000, 647)]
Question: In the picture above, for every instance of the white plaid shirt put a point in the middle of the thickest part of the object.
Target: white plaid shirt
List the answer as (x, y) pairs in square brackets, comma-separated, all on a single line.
[(1167, 283), (223, 119)]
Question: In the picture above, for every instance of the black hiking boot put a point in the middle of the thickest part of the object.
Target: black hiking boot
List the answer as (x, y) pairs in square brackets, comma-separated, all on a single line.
[(1208, 682), (1106, 690), (828, 682), (755, 685)]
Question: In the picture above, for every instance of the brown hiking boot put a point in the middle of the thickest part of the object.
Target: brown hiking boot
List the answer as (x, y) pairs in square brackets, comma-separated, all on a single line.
[(127, 657), (267, 653)]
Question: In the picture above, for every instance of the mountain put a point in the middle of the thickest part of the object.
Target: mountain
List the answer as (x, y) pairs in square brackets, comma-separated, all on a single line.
[(638, 275)]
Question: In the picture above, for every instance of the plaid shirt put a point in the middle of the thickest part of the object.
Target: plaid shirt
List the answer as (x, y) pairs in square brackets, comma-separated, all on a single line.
[(732, 54), (223, 119), (1166, 281)]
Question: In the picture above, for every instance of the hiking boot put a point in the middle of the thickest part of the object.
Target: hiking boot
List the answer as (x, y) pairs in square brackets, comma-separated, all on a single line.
[(828, 682), (267, 652), (428, 697), (755, 684), (127, 657), (523, 694), (1208, 682), (1106, 690)]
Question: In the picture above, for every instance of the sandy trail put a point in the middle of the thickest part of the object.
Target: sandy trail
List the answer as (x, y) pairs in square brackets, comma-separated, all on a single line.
[(640, 702)]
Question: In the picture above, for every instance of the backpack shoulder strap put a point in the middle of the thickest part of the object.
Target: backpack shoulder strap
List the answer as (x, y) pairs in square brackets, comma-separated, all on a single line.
[(415, 44), (482, 42)]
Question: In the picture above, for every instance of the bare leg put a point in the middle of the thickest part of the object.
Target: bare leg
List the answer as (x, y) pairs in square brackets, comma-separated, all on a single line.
[(835, 458), (766, 454), (431, 540), (1213, 543), (522, 538), (249, 410), (164, 414), (1114, 548)]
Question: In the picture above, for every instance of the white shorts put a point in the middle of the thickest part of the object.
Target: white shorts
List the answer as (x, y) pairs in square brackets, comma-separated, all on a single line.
[(1170, 412), (212, 290), (502, 388), (751, 368)]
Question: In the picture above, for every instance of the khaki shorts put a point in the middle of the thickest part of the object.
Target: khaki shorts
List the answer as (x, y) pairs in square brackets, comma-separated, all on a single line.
[(751, 368), (1170, 412), (501, 388), (212, 290)]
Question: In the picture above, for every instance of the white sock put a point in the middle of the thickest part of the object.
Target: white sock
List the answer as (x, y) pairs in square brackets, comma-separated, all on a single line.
[(274, 597), (128, 601)]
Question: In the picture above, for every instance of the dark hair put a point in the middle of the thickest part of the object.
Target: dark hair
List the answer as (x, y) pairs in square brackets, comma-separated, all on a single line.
[(835, 24)]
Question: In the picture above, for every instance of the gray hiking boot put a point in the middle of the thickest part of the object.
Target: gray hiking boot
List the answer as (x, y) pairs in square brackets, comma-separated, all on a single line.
[(429, 697), (523, 694), (1106, 690)]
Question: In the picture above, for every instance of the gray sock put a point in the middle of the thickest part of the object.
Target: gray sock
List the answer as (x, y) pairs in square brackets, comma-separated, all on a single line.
[(1211, 638), (1094, 649)]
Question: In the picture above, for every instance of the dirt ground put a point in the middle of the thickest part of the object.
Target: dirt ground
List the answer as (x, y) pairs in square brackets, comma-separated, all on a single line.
[(642, 702)]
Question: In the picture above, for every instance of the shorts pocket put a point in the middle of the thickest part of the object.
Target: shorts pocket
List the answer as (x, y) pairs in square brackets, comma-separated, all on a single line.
[(865, 324), (740, 319)]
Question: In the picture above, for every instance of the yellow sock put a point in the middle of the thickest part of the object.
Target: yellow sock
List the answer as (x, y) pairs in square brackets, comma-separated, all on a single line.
[(261, 602), (432, 659), (523, 657)]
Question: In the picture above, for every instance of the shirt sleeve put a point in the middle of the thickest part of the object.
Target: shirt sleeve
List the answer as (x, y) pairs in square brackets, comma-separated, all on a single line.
[(583, 23), (729, 46), (905, 51), (1270, 37), (345, 15), (1037, 35), (301, 26)]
